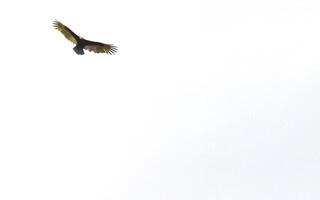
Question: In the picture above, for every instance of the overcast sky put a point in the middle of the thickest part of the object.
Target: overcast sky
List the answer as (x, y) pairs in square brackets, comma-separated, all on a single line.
[(205, 100)]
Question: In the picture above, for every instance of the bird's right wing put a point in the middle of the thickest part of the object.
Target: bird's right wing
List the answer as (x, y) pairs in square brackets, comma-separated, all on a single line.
[(98, 47), (71, 36)]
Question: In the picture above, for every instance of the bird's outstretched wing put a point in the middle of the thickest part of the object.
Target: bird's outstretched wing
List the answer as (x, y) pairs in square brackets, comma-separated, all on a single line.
[(98, 47), (71, 36)]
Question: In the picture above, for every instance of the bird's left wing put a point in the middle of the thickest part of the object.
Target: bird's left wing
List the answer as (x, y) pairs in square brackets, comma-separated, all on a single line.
[(98, 47), (71, 36)]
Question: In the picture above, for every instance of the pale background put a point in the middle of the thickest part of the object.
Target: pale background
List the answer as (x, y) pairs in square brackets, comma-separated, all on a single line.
[(206, 100)]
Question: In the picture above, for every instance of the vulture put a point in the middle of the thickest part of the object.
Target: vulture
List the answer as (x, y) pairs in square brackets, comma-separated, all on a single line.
[(82, 43)]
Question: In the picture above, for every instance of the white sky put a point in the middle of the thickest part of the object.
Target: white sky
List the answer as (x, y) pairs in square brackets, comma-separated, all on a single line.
[(206, 100)]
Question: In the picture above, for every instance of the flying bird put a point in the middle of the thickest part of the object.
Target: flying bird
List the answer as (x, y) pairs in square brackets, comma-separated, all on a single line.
[(82, 43)]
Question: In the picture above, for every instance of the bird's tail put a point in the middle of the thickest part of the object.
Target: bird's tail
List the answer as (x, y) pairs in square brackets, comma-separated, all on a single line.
[(78, 50)]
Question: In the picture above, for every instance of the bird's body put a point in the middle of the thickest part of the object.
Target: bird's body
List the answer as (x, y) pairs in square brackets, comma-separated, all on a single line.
[(82, 43), (79, 47)]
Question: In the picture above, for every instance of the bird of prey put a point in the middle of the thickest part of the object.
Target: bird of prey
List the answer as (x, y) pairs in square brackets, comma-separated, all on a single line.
[(82, 43)]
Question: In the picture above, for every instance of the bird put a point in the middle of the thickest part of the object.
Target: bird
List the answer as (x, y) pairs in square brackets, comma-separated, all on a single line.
[(82, 43)]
